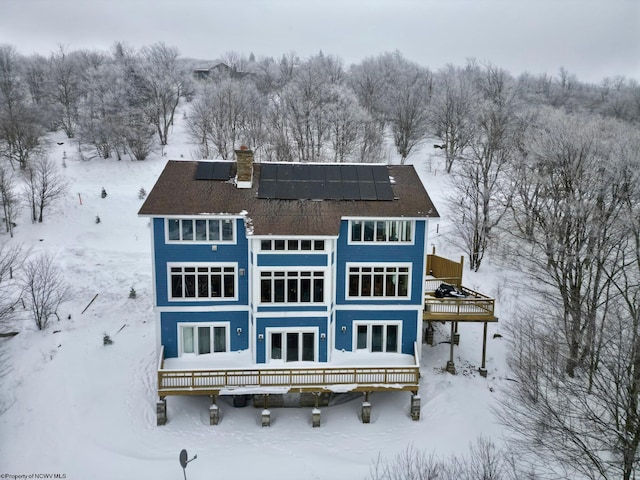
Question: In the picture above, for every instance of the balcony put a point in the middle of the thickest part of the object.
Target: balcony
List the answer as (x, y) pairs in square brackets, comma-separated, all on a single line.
[(286, 379), (473, 307)]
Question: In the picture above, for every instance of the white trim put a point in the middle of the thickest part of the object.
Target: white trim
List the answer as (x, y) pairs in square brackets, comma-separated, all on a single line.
[(181, 325), (300, 270), (390, 306), (385, 265), (411, 222), (268, 331), (222, 265), (369, 324), (203, 308), (207, 218)]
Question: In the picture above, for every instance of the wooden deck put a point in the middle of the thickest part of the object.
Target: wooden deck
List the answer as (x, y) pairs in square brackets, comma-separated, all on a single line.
[(475, 307), (287, 380)]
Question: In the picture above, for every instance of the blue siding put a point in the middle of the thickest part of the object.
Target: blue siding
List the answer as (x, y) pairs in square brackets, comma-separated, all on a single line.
[(377, 253), (263, 323), (292, 260), (409, 319), (186, 252), (169, 328)]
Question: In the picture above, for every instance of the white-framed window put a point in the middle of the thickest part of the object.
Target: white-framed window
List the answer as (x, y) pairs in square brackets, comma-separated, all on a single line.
[(294, 245), (201, 230), (377, 336), (292, 287), (288, 345), (203, 338), (381, 231), (378, 280), (199, 281)]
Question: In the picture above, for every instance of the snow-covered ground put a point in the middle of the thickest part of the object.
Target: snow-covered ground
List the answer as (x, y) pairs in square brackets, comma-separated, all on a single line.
[(71, 406)]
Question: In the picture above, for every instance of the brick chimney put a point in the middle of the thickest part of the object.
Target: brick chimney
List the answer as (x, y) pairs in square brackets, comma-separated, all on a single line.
[(244, 159)]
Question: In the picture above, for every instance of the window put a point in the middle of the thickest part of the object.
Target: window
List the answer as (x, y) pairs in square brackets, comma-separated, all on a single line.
[(378, 281), (292, 245), (385, 231), (377, 337), (293, 346), (203, 282), (200, 230), (292, 287), (200, 339)]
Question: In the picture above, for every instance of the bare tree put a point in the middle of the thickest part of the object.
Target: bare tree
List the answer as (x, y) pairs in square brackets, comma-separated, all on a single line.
[(8, 197), (451, 113), (482, 191), (45, 184), (161, 82), (409, 88), (21, 130), (575, 408), (65, 89), (11, 258), (228, 114), (484, 461), (44, 289), (567, 210)]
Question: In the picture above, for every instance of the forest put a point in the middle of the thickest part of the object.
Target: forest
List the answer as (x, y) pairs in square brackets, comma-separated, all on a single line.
[(545, 175)]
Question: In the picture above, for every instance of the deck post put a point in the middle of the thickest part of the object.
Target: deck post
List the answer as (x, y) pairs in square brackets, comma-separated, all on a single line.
[(415, 406), (315, 417), (451, 367), (161, 411), (429, 334), (456, 335), (266, 414), (366, 409), (266, 418), (214, 412), (483, 368)]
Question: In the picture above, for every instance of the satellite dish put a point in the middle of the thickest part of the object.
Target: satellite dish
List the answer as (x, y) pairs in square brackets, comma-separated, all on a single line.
[(184, 458)]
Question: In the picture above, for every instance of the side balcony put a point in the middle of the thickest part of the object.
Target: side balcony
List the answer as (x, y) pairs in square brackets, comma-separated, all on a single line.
[(472, 306)]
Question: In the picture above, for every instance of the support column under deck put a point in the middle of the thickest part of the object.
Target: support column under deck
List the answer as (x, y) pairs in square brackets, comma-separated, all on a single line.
[(451, 367), (483, 369)]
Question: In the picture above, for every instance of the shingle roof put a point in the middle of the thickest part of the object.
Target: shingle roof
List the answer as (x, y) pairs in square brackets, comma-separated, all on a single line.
[(178, 193)]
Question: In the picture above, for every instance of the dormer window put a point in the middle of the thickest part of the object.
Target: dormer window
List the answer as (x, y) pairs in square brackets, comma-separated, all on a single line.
[(381, 231)]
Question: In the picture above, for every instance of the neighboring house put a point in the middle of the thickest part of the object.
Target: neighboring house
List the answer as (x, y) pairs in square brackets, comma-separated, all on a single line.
[(218, 72), (275, 278)]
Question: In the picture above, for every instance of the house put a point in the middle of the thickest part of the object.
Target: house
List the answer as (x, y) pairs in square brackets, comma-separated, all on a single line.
[(280, 278)]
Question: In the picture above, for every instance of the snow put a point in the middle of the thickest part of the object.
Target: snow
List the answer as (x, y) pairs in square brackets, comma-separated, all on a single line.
[(71, 405)]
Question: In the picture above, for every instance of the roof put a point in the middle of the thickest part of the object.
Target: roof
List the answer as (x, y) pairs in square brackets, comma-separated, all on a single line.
[(178, 193)]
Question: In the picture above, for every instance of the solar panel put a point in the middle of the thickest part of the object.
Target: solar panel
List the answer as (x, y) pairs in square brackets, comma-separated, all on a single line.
[(221, 171), (324, 182), (380, 173), (365, 173), (349, 173), (267, 188), (367, 191), (214, 170), (204, 170), (317, 172), (384, 190)]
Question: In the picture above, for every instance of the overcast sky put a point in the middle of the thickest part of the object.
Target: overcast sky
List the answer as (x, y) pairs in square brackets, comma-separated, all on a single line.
[(591, 38)]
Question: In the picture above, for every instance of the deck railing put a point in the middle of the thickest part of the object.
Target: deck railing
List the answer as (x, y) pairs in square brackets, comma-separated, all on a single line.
[(473, 307), (214, 381)]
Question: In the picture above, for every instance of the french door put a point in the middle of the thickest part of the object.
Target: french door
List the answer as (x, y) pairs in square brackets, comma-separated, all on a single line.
[(292, 346)]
